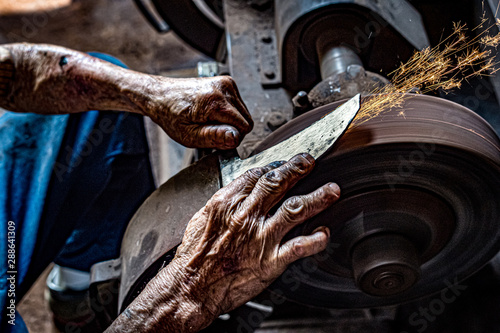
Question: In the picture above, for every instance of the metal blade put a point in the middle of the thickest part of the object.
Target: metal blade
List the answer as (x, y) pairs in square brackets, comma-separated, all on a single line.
[(315, 140)]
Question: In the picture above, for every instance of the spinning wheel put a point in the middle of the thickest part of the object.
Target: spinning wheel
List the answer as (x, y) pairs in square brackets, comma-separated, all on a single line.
[(419, 208)]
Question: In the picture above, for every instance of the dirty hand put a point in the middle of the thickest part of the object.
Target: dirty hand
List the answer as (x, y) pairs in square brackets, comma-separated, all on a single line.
[(196, 112), (201, 112), (232, 248)]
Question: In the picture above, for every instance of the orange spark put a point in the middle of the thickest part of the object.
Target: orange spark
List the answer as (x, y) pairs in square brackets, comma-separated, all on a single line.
[(443, 67)]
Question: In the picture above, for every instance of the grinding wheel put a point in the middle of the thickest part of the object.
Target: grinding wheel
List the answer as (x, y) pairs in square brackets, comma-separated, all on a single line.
[(419, 209)]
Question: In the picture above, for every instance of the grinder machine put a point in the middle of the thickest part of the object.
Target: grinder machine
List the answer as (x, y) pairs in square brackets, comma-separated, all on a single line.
[(420, 208)]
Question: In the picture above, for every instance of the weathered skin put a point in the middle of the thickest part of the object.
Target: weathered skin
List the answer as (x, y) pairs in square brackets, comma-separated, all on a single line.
[(232, 247), (231, 251), (197, 112)]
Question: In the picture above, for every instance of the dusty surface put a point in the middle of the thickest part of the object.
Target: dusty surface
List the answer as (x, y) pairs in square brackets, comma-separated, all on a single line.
[(34, 309), (115, 27)]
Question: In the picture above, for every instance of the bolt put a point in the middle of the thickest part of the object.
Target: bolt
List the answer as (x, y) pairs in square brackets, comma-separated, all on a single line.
[(300, 103), (302, 98)]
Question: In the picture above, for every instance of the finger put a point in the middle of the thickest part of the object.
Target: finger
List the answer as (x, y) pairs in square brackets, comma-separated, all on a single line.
[(238, 190), (273, 185), (231, 115), (298, 209), (228, 86), (303, 246), (246, 182), (214, 136), (242, 108)]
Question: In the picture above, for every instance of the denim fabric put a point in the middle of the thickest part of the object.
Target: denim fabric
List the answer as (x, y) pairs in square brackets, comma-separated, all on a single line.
[(70, 184)]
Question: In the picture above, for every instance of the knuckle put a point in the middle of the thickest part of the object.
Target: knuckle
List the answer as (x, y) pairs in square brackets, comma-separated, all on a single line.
[(226, 83), (211, 96), (205, 136), (217, 103), (294, 208), (300, 165), (274, 179), (299, 249), (239, 218), (228, 80), (219, 132), (324, 197), (254, 173), (218, 198)]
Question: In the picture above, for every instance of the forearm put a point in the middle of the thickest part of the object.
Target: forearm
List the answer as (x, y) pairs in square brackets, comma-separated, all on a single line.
[(49, 79), (168, 309)]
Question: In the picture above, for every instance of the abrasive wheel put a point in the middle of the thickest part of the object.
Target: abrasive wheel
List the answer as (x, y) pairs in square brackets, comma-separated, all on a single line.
[(419, 209)]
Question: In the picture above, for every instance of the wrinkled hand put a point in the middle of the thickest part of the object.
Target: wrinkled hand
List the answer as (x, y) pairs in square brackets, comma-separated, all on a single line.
[(232, 248), (201, 112)]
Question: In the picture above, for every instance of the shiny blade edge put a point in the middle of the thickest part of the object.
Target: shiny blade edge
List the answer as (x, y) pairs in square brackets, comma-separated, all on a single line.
[(315, 140)]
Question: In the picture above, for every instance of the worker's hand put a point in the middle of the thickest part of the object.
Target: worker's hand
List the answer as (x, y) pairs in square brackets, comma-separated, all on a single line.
[(202, 112), (232, 248)]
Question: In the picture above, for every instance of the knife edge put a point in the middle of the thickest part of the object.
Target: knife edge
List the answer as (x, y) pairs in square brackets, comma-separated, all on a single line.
[(315, 139)]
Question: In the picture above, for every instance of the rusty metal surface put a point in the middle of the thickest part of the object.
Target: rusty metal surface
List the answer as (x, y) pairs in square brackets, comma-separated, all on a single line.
[(159, 224), (250, 29), (431, 175)]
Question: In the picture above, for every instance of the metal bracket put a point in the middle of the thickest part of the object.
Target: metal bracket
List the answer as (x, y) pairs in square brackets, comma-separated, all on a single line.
[(270, 73), (105, 271), (104, 289)]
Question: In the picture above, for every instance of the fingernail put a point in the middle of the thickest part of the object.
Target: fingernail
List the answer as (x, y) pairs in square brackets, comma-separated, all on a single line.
[(334, 187), (230, 138), (322, 229), (258, 172)]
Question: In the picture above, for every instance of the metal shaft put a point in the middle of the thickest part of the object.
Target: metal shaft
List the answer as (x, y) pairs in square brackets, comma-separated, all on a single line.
[(385, 264), (335, 60)]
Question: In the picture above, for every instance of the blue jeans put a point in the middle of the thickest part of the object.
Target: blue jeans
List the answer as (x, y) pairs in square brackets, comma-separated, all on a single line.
[(69, 184)]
